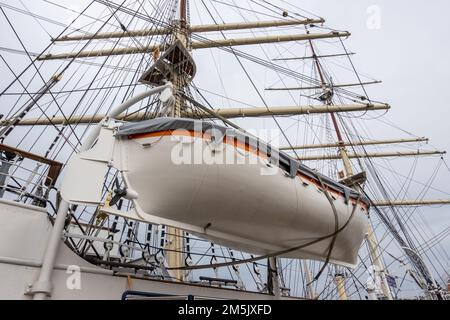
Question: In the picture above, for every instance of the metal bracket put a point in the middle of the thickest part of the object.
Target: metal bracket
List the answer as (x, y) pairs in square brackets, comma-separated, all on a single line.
[(39, 287), (353, 180)]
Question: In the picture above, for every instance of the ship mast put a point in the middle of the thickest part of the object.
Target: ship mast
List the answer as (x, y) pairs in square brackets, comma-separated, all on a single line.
[(176, 237), (354, 180), (180, 34), (374, 253)]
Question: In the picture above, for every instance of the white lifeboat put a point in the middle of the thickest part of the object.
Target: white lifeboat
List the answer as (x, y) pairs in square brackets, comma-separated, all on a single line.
[(226, 186)]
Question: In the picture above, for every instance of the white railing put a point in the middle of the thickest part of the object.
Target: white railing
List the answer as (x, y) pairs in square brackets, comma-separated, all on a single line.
[(31, 184)]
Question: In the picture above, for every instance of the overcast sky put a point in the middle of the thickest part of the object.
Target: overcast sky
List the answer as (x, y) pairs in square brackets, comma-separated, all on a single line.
[(403, 43)]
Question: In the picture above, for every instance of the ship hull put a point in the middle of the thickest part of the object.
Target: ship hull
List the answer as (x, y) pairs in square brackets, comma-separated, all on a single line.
[(73, 278)]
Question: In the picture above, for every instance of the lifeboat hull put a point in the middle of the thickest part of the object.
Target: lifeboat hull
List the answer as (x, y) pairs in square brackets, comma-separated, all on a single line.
[(247, 204)]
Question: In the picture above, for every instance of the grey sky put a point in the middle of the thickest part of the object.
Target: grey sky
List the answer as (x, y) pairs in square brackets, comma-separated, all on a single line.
[(409, 52)]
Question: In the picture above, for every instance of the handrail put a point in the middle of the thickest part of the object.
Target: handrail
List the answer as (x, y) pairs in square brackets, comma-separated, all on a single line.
[(153, 295), (164, 296), (24, 183)]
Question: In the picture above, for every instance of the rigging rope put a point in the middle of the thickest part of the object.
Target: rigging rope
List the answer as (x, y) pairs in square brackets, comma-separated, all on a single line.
[(275, 254)]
